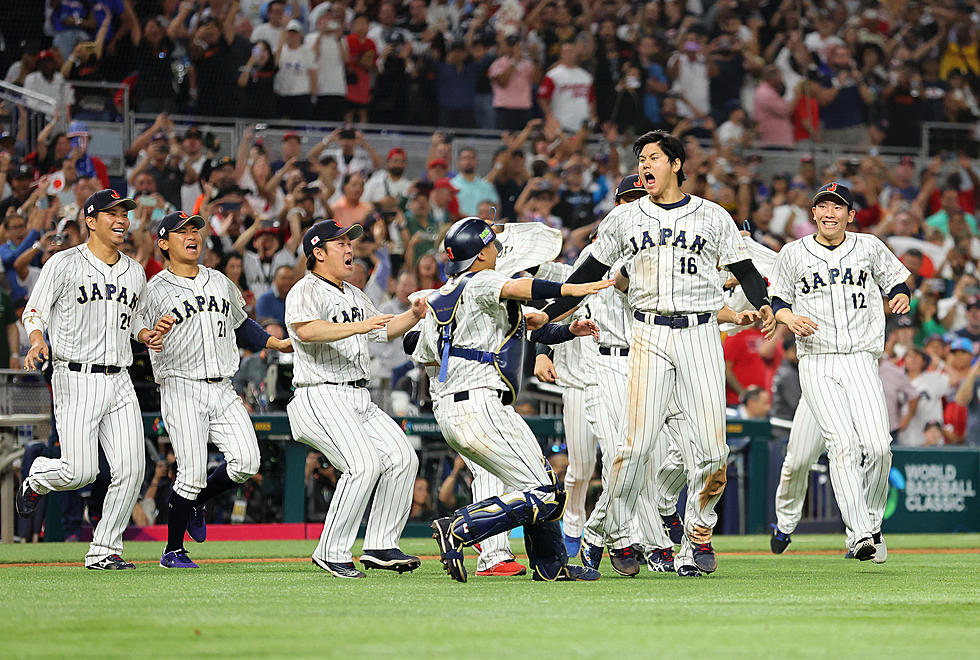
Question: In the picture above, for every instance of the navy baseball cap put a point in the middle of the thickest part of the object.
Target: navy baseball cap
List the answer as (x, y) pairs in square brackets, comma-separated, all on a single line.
[(327, 230), (23, 171), (174, 221), (106, 199), (836, 192), (630, 184)]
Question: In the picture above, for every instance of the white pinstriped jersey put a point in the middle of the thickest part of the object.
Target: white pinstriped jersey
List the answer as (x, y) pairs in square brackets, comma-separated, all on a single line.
[(572, 359), (314, 298), (763, 258), (525, 245), (89, 308), (839, 289), (206, 309), (482, 323), (672, 253)]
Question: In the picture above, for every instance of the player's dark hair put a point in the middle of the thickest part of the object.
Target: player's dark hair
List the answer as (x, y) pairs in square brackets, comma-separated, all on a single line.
[(671, 146)]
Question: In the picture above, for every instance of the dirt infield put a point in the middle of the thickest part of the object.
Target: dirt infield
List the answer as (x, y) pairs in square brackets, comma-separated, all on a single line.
[(270, 560)]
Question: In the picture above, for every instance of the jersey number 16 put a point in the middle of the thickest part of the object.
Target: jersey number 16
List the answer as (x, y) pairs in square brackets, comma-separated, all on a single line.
[(688, 266)]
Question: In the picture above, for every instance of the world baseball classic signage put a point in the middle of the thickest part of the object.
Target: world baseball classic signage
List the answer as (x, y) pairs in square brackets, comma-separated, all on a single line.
[(934, 490)]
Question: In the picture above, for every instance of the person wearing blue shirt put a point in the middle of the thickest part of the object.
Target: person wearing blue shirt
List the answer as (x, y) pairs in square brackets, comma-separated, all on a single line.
[(456, 79), (272, 303), (19, 241)]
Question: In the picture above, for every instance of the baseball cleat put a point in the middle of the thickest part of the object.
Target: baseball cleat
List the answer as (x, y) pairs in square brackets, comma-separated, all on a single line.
[(674, 526), (26, 500), (572, 573), (881, 550), (450, 549), (689, 571), (573, 544), (661, 560), (640, 552), (390, 560), (110, 563), (704, 557), (337, 569), (197, 528), (624, 561), (779, 541), (864, 549), (591, 555), (177, 559), (505, 568), (849, 555)]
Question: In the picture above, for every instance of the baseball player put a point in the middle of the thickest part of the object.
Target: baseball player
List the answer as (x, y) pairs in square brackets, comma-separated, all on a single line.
[(475, 334), (826, 290), (201, 313), (672, 244), (90, 300), (330, 322)]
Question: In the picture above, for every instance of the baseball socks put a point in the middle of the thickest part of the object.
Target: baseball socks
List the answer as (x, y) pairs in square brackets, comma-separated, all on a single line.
[(180, 513), (218, 482)]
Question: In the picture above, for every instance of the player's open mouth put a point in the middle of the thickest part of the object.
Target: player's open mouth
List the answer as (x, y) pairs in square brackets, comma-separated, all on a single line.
[(119, 230), (648, 178), (349, 261), (192, 247)]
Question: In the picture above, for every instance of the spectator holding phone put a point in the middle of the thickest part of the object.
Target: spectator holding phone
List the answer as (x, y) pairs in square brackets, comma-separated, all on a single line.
[(361, 63), (329, 48), (257, 79), (154, 89)]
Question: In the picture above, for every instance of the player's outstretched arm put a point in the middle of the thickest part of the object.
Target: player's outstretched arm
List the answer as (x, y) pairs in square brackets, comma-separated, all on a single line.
[(533, 289), (324, 331), (801, 326), (590, 270), (405, 321)]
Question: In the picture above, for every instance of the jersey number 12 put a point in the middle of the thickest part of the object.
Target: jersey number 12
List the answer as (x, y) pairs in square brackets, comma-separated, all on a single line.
[(858, 300)]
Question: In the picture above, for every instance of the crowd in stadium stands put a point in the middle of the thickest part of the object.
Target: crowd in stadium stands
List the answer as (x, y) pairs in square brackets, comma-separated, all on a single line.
[(569, 84)]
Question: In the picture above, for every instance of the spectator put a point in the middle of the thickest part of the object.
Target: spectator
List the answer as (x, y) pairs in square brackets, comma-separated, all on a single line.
[(272, 303), (566, 94), (275, 21), (85, 165), (21, 180), (422, 501), (330, 54), (10, 343), (21, 236), (512, 77), (576, 206), (154, 91), (291, 152), (421, 230), (257, 79), (350, 209), (950, 206), (361, 64), (771, 111), (296, 75), (750, 359), (152, 205), (47, 80), (164, 163), (266, 256), (427, 272), (216, 71), (470, 188), (68, 18), (755, 403), (843, 114), (85, 65), (232, 266), (390, 185), (732, 134), (442, 202), (655, 81), (688, 68), (388, 358), (932, 387), (392, 100), (901, 398), (456, 78), (354, 155)]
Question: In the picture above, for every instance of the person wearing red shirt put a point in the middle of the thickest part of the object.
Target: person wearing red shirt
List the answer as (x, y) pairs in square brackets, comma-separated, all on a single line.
[(749, 360), (362, 61)]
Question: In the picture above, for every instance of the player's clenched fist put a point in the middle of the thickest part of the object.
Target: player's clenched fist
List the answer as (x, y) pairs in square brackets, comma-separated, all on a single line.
[(544, 369), (584, 328), (281, 345), (163, 326), (152, 339), (585, 288), (419, 308), (535, 320), (37, 355)]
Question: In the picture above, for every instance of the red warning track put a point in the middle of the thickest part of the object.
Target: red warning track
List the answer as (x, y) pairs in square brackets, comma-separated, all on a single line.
[(279, 560)]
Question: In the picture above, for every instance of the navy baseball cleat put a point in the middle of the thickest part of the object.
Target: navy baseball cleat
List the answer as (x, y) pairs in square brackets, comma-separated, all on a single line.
[(197, 527), (390, 560), (689, 571), (661, 560), (572, 545), (624, 561), (864, 549), (674, 526), (26, 500), (341, 570), (572, 573), (450, 549), (591, 555), (110, 563), (779, 541), (704, 557), (639, 551), (177, 559)]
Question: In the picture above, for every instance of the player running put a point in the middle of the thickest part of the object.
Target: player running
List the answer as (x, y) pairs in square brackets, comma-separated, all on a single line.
[(826, 291), (201, 313)]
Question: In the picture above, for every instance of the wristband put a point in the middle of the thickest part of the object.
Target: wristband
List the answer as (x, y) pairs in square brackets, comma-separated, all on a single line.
[(543, 289)]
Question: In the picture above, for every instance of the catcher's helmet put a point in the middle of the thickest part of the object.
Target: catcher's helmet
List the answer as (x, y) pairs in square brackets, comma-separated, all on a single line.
[(466, 239)]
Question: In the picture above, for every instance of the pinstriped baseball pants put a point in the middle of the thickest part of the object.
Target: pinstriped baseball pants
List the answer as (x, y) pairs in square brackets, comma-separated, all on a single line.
[(92, 410), (581, 443), (372, 453)]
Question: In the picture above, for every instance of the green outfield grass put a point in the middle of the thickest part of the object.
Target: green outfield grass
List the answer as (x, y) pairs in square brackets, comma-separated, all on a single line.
[(813, 603)]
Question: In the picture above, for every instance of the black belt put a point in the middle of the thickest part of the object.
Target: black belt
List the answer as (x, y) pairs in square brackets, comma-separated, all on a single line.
[(465, 396), (213, 380), (351, 383), (674, 322), (94, 368), (613, 350)]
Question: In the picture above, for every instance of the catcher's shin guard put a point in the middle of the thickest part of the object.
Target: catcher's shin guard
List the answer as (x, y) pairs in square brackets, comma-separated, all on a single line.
[(545, 547), (494, 515)]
